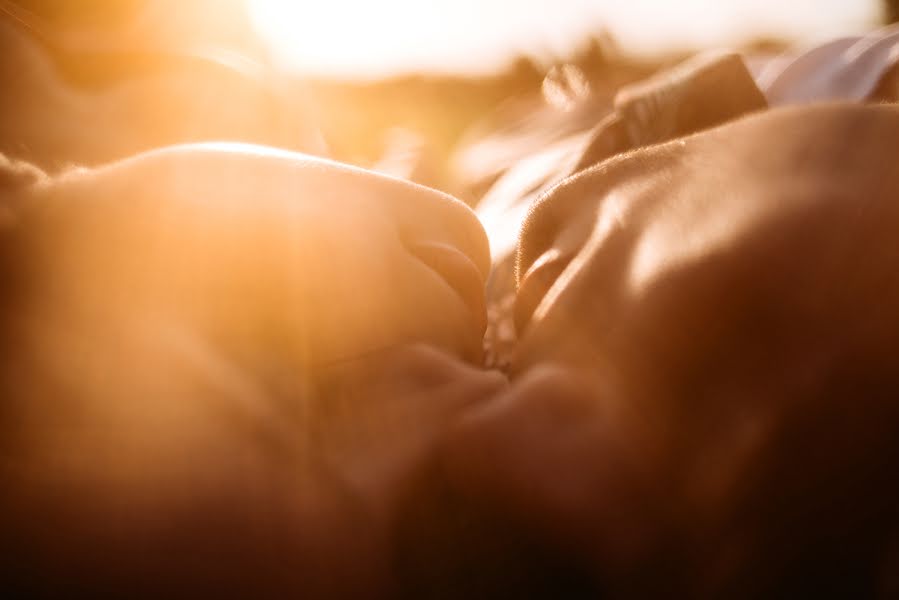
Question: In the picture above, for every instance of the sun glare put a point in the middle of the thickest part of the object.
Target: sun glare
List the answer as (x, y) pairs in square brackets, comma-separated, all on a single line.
[(378, 37), (341, 35)]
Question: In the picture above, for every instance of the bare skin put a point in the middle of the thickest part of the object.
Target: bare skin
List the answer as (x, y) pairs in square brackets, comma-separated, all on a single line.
[(705, 384), (703, 401), (212, 373)]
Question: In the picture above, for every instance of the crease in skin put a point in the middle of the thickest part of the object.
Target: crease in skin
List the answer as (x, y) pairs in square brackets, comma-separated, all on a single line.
[(559, 205), (593, 246), (535, 283), (239, 195), (609, 214), (768, 274), (583, 240), (439, 215), (651, 162), (456, 242), (460, 273), (547, 268), (623, 177)]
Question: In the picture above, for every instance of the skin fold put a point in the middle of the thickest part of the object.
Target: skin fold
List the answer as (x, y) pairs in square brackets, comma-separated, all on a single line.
[(212, 369), (705, 384), (236, 371)]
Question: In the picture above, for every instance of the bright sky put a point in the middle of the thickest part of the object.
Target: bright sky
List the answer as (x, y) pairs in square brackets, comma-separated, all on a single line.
[(378, 37)]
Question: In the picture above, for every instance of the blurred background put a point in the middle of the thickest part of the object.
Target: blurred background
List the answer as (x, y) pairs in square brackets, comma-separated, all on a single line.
[(355, 38), (400, 85)]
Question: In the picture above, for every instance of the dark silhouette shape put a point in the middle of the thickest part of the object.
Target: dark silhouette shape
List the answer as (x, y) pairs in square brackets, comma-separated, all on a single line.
[(891, 10)]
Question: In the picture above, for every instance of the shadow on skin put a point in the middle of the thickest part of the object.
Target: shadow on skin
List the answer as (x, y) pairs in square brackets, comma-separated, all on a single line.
[(173, 328), (704, 391)]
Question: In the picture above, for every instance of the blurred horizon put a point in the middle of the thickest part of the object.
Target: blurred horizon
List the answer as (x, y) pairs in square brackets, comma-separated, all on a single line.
[(363, 39)]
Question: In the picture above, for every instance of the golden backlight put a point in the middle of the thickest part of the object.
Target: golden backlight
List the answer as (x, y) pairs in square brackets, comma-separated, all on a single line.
[(355, 35), (382, 37), (378, 37)]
